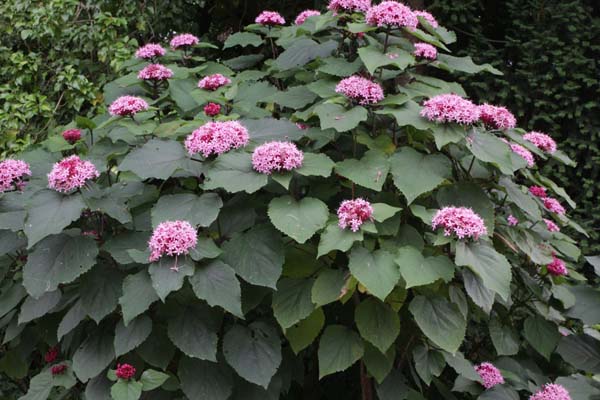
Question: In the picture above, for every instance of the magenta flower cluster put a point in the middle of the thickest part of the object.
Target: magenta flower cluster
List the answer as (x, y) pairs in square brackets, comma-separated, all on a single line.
[(183, 40), (304, 15), (427, 17), (361, 90), (71, 173), (71, 135), (450, 108), (551, 225), (270, 18), (460, 221), (155, 72), (557, 267), (172, 238), (551, 391), (541, 141), (490, 375), (497, 117), (276, 156), (553, 205), (217, 138), (353, 213), (213, 82), (538, 191), (391, 14), (425, 50), (125, 371), (149, 51), (12, 173), (126, 106), (349, 5)]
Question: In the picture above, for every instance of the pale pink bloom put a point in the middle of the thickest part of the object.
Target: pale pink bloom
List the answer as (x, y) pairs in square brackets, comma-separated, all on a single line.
[(305, 14), (155, 72), (512, 220), (552, 227), (523, 152), (362, 90), (12, 173), (151, 50), (270, 18), (450, 108), (172, 238), (497, 117), (427, 17), (553, 205), (349, 5), (183, 40), (127, 106), (213, 82), (276, 156), (217, 138), (71, 173), (490, 375), (353, 213), (538, 191), (425, 50), (392, 14), (541, 141), (551, 391), (461, 221)]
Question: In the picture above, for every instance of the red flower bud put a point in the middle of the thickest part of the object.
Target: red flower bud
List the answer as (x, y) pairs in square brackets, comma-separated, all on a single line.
[(58, 369), (125, 371), (51, 354), (72, 135), (212, 109)]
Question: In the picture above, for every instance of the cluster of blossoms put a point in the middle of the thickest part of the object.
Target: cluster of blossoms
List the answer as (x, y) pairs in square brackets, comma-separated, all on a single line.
[(155, 72), (51, 355), (557, 267), (217, 138), (71, 173), (276, 156), (58, 369), (461, 221), (538, 191), (450, 108), (183, 40), (541, 141), (270, 18), (126, 106), (551, 391), (12, 173), (125, 371), (497, 117), (212, 109), (349, 5), (172, 238), (552, 227), (523, 152), (427, 17), (512, 220), (392, 14), (425, 50), (490, 375), (353, 213), (553, 205), (304, 15), (213, 82), (71, 135), (360, 89), (149, 51), (550, 203)]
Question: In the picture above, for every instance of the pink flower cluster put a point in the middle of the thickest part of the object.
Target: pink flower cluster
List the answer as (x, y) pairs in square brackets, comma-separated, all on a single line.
[(125, 371), (270, 18), (127, 106), (392, 14), (557, 267), (427, 17), (360, 89), (425, 50), (304, 15), (71, 135), (155, 72), (553, 205), (213, 82), (71, 173), (172, 238), (552, 227), (151, 50), (541, 141), (523, 152), (353, 213), (12, 173), (538, 191), (461, 221), (349, 5), (490, 375), (497, 117), (276, 156), (58, 369), (450, 108), (217, 138), (551, 391), (512, 220), (183, 40), (212, 109)]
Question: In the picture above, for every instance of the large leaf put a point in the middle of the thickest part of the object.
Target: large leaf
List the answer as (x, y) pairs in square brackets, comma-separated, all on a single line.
[(131, 336), (233, 172), (587, 304), (294, 97), (269, 129), (100, 291), (242, 39), (542, 335), (377, 323), (302, 51), (505, 340), (429, 363), (302, 334), (408, 115), (581, 351), (337, 117), (155, 159), (336, 238), (523, 200), (441, 321), (316, 164), (488, 148), (328, 286), (416, 270), (138, 294), (463, 64), (198, 210), (298, 219), (10, 297), (95, 354), (374, 270), (379, 364), (339, 348), (468, 194), (72, 318), (168, 273), (204, 379), (35, 308), (126, 390), (217, 284), (370, 171), (194, 331), (40, 387), (292, 301), (373, 58), (477, 291)]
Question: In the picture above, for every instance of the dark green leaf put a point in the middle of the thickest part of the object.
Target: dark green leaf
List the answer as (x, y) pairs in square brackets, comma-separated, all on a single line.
[(198, 210), (233, 172), (217, 284), (168, 273), (302, 334), (292, 301), (131, 336), (204, 379), (376, 271), (370, 171), (138, 294), (95, 354), (339, 348), (155, 159), (418, 270), (35, 308), (377, 323), (336, 238), (542, 335), (337, 117), (302, 51), (100, 291), (441, 321), (298, 219), (194, 331), (581, 351)]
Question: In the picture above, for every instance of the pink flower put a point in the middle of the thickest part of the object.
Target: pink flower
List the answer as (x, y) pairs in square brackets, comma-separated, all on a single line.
[(551, 391), (151, 50), (523, 152), (12, 173), (212, 109), (217, 138), (125, 371), (360, 89), (276, 156), (552, 227), (71, 135), (127, 106), (538, 191), (349, 5), (425, 50), (450, 108), (512, 220), (51, 355), (541, 141), (172, 238), (461, 221), (270, 18), (71, 173), (353, 213), (58, 369), (490, 375), (553, 205), (392, 14), (183, 40), (305, 14), (427, 17), (155, 72), (213, 82), (497, 117)]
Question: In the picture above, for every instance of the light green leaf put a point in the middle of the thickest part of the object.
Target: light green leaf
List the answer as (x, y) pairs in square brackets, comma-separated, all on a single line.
[(298, 219), (292, 301), (316, 164), (441, 321), (337, 117), (417, 270), (152, 379), (336, 238), (131, 336), (40, 387), (377, 323), (198, 210), (94, 355), (542, 335), (376, 271), (339, 348), (168, 273), (155, 159), (233, 172), (302, 334), (444, 134), (243, 39), (138, 295), (383, 212), (194, 331), (370, 171), (205, 380), (373, 58), (126, 390), (328, 287), (217, 284)]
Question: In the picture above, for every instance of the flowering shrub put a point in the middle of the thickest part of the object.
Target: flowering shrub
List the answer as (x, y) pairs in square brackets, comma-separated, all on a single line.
[(319, 204)]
